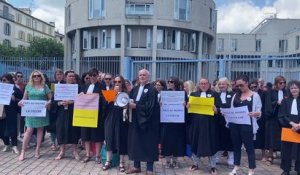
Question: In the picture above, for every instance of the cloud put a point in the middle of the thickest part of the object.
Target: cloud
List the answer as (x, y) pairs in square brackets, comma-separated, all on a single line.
[(51, 11), (243, 16)]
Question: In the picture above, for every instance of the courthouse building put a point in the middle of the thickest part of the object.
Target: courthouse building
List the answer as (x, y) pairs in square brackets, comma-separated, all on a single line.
[(270, 49), (109, 34)]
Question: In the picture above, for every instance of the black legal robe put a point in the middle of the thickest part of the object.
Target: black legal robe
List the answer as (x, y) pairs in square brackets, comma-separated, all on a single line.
[(203, 134), (95, 134), (143, 131), (289, 150), (259, 143), (273, 132)]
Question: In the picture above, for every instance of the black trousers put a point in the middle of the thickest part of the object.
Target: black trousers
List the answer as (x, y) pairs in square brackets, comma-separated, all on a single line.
[(242, 134), (286, 165), (14, 140)]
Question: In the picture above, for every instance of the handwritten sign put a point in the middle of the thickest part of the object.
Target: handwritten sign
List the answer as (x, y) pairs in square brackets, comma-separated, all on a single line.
[(34, 108), (172, 107), (86, 110), (238, 115), (65, 91), (6, 91), (200, 105)]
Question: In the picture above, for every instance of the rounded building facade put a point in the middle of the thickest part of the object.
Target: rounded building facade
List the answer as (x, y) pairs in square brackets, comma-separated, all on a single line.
[(124, 36)]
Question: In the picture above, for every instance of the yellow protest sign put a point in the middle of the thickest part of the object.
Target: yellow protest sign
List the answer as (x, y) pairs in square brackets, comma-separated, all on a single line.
[(200, 105), (86, 110), (52, 87)]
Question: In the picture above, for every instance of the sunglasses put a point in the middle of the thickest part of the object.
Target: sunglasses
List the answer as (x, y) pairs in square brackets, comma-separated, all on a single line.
[(35, 76), (107, 78), (87, 78), (117, 81), (93, 75), (240, 85), (20, 76), (282, 82), (171, 81), (253, 87)]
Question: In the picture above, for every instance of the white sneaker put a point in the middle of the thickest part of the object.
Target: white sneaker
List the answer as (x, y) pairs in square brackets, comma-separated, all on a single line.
[(6, 148), (15, 150)]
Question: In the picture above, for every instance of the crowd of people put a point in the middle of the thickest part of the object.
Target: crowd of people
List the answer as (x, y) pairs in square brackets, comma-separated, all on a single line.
[(141, 136)]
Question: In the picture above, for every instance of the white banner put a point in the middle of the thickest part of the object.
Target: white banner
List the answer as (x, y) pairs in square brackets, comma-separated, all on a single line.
[(34, 108), (238, 115), (65, 91), (6, 91), (172, 107)]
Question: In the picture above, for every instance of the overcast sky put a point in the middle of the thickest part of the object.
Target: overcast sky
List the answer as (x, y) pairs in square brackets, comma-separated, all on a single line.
[(234, 16)]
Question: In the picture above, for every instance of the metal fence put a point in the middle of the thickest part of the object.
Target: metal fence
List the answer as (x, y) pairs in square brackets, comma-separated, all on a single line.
[(26, 65), (266, 67)]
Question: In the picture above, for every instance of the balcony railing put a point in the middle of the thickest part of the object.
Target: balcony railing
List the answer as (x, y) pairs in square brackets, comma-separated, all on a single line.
[(139, 9)]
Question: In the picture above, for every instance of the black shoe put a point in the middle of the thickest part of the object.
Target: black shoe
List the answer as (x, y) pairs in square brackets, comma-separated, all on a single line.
[(286, 173), (213, 171)]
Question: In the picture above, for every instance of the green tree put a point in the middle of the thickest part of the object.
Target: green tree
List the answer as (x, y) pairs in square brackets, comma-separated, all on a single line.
[(45, 47)]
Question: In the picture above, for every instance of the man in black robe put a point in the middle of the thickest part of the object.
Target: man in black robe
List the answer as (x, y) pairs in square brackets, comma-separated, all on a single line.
[(143, 131)]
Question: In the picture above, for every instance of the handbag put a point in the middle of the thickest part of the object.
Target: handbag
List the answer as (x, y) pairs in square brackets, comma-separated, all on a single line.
[(2, 112)]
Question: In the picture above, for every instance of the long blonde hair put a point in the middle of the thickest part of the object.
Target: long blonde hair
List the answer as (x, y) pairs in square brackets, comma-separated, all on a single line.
[(42, 77), (229, 88), (191, 87)]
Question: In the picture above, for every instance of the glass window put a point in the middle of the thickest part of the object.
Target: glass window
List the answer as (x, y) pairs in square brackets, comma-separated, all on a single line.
[(283, 46), (94, 39), (29, 37), (140, 38), (220, 44), (297, 42), (6, 42), (5, 12), (233, 44), (7, 29), (96, 9), (19, 18), (182, 9), (139, 9), (28, 22), (22, 35), (258, 45), (85, 40)]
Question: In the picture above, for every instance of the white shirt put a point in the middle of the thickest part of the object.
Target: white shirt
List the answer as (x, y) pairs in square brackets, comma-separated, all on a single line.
[(91, 89), (107, 87), (294, 109), (138, 97), (223, 97), (203, 94), (280, 95)]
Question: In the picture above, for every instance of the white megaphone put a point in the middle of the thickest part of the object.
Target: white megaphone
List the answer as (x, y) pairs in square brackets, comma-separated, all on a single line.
[(122, 99)]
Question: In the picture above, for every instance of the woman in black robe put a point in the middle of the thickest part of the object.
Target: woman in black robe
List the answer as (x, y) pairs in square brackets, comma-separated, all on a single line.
[(203, 133), (289, 117), (273, 103), (65, 132), (95, 135), (8, 125), (224, 90), (173, 137), (116, 128)]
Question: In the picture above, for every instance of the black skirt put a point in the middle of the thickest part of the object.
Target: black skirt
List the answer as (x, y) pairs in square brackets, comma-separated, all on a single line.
[(273, 134), (94, 134), (116, 131)]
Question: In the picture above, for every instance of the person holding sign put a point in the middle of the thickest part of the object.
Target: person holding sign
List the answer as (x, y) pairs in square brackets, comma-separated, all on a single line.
[(202, 129), (95, 135), (174, 132), (8, 122), (289, 118), (224, 90), (65, 132), (143, 131), (36, 89), (116, 127), (242, 133)]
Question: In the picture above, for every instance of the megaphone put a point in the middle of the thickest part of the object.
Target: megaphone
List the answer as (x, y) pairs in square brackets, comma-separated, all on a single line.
[(122, 99)]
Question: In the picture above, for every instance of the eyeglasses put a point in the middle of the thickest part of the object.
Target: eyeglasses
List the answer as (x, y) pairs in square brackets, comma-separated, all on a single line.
[(282, 82), (107, 78), (171, 81), (117, 81), (35, 76), (20, 76), (93, 75)]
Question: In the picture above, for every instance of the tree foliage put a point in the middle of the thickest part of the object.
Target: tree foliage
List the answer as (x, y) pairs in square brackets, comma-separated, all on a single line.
[(39, 47)]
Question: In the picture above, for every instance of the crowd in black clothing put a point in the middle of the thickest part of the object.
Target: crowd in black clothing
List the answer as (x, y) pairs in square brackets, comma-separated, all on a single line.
[(135, 130)]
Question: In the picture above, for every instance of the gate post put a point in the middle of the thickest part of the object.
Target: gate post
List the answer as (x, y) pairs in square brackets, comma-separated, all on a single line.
[(126, 71), (221, 68)]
